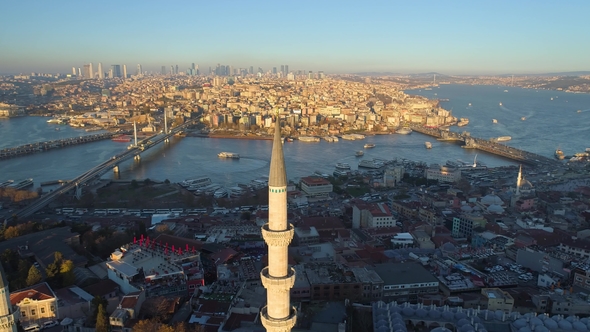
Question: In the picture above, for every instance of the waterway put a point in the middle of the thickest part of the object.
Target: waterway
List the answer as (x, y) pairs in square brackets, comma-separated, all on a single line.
[(548, 125)]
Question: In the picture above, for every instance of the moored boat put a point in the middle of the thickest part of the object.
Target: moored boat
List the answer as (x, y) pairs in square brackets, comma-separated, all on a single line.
[(230, 155), (21, 184), (463, 122), (343, 166), (370, 164), (404, 131), (309, 139), (6, 183), (503, 138)]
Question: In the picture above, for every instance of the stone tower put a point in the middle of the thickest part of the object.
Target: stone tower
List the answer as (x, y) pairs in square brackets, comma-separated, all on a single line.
[(8, 316), (278, 278)]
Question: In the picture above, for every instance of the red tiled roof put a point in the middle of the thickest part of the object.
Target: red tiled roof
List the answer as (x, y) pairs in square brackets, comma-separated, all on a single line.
[(37, 292)]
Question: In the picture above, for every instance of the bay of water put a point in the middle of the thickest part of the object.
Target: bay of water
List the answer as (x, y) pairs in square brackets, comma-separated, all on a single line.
[(548, 125)]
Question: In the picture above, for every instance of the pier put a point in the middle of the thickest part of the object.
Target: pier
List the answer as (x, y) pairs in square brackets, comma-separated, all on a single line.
[(488, 146), (51, 145)]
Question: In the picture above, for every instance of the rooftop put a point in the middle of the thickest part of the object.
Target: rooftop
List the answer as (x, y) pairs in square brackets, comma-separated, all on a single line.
[(403, 273)]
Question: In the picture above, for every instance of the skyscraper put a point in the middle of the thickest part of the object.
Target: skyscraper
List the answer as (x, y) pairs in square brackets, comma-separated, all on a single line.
[(8, 317), (116, 70), (283, 69), (139, 71), (90, 71), (124, 71), (163, 71), (176, 71), (278, 278), (100, 71), (286, 69), (86, 71), (74, 71)]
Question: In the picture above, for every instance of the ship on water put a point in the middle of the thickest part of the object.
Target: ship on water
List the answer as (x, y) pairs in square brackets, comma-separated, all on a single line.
[(353, 137), (6, 183), (359, 153), (559, 154), (463, 122), (494, 121), (21, 184), (121, 138), (502, 138), (404, 131), (428, 145), (230, 155), (369, 146), (309, 139), (344, 166)]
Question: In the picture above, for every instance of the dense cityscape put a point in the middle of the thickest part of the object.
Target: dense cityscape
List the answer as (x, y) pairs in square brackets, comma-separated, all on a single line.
[(309, 166)]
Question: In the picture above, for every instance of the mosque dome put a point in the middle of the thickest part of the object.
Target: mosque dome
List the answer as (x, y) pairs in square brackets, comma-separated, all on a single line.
[(491, 199)]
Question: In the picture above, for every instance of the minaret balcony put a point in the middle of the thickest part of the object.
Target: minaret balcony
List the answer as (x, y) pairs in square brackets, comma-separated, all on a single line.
[(278, 325), (281, 284), (277, 238)]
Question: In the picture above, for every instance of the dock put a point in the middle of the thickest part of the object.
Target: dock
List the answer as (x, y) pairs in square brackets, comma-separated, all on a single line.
[(51, 145), (469, 142)]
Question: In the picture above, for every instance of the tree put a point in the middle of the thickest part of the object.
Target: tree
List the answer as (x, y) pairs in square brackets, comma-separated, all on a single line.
[(67, 273), (34, 276), (102, 323), (11, 232)]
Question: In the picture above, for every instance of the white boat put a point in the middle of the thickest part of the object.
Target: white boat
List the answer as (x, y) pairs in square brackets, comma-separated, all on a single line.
[(523, 118), (331, 139), (198, 182), (500, 104), (503, 138), (505, 90), (236, 191), (404, 131), (353, 137), (369, 146), (339, 173), (309, 139), (494, 121), (334, 139), (370, 164), (231, 155), (428, 145), (6, 183), (342, 166), (21, 184), (463, 122), (359, 153), (219, 193)]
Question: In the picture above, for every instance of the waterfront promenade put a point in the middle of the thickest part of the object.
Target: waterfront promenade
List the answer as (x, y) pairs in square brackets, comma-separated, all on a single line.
[(53, 144)]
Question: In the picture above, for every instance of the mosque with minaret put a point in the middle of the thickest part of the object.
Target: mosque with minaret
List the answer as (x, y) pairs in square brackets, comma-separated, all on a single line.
[(278, 278), (8, 315)]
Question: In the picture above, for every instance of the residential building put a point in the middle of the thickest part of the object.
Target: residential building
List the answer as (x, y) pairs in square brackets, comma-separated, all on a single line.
[(406, 281), (316, 187), (496, 299), (443, 173)]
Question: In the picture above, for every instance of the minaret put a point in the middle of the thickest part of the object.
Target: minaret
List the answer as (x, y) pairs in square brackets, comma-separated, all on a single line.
[(278, 278), (8, 317), (519, 180)]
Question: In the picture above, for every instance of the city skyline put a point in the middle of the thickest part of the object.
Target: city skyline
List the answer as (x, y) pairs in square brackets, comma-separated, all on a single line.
[(463, 38)]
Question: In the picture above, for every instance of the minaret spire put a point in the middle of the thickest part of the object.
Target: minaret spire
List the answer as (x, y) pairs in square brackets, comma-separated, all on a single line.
[(278, 278), (519, 180)]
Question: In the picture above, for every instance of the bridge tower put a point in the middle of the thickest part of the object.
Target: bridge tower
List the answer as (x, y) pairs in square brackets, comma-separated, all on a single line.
[(136, 157), (78, 191), (166, 125)]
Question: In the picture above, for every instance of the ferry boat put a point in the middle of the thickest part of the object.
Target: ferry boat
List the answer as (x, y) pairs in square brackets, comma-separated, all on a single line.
[(503, 138), (21, 184), (494, 121), (228, 155), (463, 122), (6, 183), (404, 131), (369, 146), (559, 154), (121, 138), (57, 121), (370, 164), (338, 173), (219, 193), (359, 153), (330, 139), (309, 139), (196, 183), (343, 166), (353, 137), (428, 145)]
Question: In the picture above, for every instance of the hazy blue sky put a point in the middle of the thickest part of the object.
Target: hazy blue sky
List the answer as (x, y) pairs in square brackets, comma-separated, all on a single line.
[(454, 37)]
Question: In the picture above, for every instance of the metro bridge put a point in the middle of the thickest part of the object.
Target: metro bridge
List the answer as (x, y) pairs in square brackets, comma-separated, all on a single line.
[(77, 184)]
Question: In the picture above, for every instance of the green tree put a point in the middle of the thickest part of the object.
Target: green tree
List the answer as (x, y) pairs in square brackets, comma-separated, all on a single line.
[(34, 276), (102, 322)]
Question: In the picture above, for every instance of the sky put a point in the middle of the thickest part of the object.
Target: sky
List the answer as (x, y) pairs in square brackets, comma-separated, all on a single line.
[(450, 37)]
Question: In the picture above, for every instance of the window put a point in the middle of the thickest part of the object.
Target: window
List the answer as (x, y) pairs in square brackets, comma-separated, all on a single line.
[(32, 312), (42, 310)]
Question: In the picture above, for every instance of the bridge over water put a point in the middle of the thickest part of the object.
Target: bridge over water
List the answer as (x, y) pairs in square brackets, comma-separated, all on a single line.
[(96, 172), (489, 146)]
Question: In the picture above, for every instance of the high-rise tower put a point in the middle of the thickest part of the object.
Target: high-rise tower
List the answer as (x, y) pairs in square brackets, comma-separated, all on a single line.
[(278, 278), (124, 71), (8, 316), (90, 71), (100, 71)]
